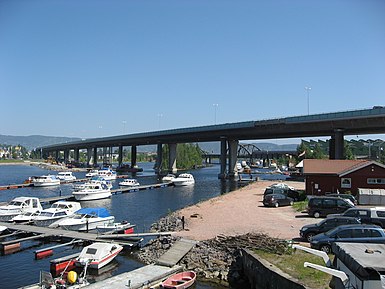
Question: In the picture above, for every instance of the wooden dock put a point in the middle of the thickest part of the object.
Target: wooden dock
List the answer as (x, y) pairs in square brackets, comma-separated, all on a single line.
[(43, 232), (178, 250), (144, 277)]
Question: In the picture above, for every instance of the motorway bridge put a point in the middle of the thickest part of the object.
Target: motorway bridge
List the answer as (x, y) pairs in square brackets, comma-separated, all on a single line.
[(336, 125)]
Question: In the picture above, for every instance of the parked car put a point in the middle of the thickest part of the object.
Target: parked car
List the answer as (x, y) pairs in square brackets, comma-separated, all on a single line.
[(309, 231), (374, 216), (282, 186), (277, 200), (288, 192), (323, 206), (345, 196), (349, 234)]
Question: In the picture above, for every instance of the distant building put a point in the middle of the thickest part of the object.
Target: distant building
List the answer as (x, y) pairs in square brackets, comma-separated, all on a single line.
[(332, 176)]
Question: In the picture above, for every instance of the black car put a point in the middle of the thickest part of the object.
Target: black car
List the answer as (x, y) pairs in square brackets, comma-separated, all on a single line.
[(309, 231), (348, 234), (295, 195), (277, 200), (323, 206)]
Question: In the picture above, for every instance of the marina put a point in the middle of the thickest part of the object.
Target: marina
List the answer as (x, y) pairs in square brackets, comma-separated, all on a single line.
[(142, 206)]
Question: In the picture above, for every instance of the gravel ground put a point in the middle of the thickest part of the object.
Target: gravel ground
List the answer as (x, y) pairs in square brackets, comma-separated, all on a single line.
[(240, 212)]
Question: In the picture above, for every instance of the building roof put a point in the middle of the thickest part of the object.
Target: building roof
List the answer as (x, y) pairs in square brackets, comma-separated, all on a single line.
[(332, 167)]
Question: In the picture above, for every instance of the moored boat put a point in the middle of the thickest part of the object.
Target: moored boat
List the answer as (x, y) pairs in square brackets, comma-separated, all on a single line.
[(45, 181), (98, 255), (85, 219), (181, 280), (123, 227), (57, 211), (107, 174), (92, 191), (184, 180), (168, 178), (92, 173), (19, 206), (66, 176), (129, 183), (126, 168), (26, 217)]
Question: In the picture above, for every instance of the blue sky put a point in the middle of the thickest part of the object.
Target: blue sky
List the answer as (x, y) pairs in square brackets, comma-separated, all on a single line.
[(101, 68)]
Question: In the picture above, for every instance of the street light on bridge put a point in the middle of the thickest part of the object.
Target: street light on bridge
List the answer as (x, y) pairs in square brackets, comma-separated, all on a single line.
[(307, 88), (215, 112)]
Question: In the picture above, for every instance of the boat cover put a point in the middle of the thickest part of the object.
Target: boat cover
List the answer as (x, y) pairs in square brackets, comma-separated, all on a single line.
[(98, 212), (365, 260)]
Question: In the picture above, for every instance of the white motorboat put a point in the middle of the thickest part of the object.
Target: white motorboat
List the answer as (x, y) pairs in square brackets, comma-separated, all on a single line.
[(46, 180), (19, 206), (66, 176), (58, 210), (92, 191), (184, 180), (92, 173), (168, 178), (129, 183), (93, 180), (85, 219), (2, 229), (123, 227), (26, 217), (107, 174), (98, 255)]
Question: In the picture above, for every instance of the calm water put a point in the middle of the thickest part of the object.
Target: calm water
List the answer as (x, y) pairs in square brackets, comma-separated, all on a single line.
[(141, 208)]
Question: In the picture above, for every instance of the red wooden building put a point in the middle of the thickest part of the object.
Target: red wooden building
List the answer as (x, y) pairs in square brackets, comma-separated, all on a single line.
[(323, 176)]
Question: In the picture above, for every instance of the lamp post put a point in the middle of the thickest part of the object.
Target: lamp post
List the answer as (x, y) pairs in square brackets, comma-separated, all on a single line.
[(307, 88), (215, 112), (159, 117), (124, 122)]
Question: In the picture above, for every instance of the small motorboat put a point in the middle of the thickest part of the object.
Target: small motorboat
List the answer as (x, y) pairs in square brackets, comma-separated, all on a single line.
[(18, 206), (93, 180), (107, 174), (66, 176), (45, 181), (57, 211), (98, 255), (123, 227), (26, 217), (92, 173), (181, 280), (92, 191), (85, 219), (168, 178), (2, 229), (129, 183), (184, 180), (127, 168)]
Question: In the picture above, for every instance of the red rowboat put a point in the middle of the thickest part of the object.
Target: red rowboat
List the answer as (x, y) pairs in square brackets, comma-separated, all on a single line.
[(181, 280)]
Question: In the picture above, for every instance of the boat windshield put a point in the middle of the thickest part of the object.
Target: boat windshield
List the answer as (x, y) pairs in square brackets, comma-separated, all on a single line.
[(46, 214), (16, 203)]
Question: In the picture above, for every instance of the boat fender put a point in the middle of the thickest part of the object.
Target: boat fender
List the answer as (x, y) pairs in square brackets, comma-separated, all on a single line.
[(72, 277)]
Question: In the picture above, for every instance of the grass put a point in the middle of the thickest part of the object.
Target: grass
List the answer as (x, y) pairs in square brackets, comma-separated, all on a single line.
[(10, 161), (300, 206), (292, 264)]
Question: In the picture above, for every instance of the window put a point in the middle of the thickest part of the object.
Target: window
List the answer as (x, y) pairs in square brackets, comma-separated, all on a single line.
[(346, 183), (381, 214), (329, 203), (375, 181), (344, 234), (375, 233)]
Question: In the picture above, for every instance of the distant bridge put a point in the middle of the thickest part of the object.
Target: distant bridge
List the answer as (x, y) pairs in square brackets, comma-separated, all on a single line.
[(336, 125)]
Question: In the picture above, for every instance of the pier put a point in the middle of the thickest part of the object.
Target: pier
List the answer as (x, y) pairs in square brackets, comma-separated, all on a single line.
[(43, 232)]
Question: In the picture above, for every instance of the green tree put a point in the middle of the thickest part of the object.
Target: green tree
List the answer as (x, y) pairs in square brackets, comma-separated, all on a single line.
[(188, 156)]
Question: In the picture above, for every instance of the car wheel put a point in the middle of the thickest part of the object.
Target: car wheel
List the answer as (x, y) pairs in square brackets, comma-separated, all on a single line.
[(309, 236), (291, 203), (326, 249), (276, 205), (316, 214)]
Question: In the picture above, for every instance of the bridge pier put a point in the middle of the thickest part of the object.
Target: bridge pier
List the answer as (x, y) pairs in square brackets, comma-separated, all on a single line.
[(222, 159), (233, 150), (336, 145), (120, 155), (158, 162), (133, 155)]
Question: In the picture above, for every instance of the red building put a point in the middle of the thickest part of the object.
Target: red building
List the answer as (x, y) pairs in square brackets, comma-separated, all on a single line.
[(323, 176)]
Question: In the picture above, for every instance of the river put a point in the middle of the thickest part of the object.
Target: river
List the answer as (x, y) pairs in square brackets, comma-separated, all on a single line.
[(141, 208)]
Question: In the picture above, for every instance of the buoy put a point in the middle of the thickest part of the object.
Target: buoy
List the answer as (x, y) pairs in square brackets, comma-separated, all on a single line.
[(129, 231), (72, 277), (43, 254), (11, 248)]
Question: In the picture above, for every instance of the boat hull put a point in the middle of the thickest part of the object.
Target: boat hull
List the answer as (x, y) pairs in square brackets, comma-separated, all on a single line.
[(45, 184), (97, 264), (181, 280), (82, 226), (89, 196)]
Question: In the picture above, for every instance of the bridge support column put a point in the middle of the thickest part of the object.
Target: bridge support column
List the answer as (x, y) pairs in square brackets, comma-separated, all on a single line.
[(133, 156), (57, 156), (172, 158), (89, 156), (66, 155), (158, 164), (95, 158), (222, 160), (233, 149), (76, 155), (120, 155), (336, 146)]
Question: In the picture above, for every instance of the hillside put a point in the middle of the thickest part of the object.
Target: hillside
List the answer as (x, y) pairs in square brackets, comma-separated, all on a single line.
[(33, 141)]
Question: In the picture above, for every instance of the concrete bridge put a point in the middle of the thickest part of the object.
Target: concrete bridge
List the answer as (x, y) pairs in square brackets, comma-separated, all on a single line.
[(336, 125)]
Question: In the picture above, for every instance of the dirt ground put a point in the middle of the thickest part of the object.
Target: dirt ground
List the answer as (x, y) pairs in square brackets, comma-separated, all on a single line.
[(240, 212)]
